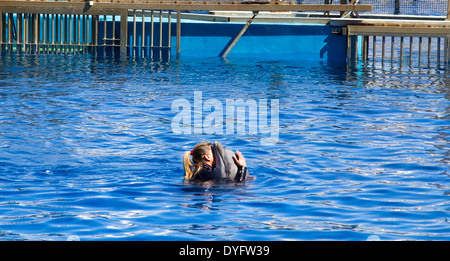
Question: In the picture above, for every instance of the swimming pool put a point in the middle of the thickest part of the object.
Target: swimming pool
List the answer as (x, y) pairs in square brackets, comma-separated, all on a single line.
[(88, 151)]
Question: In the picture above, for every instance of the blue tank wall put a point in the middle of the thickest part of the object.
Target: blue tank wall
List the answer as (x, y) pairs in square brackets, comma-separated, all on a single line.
[(302, 42), (278, 41)]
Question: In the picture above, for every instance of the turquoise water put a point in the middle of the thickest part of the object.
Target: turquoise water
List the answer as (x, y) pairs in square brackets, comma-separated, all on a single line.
[(88, 152)]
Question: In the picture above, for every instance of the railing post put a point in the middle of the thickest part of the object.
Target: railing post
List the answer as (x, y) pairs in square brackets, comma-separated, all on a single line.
[(178, 32), (1, 33), (123, 32), (448, 11)]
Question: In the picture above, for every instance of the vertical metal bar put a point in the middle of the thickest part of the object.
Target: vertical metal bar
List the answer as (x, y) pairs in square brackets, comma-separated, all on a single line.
[(5, 34), (40, 26), (104, 30), (448, 11), (57, 28), (143, 33), (383, 47), (49, 32), (438, 50), (54, 32), (45, 25), (81, 32), (93, 38), (178, 33), (58, 32), (19, 33), (30, 32), (363, 47), (169, 29), (134, 33), (97, 20), (95, 34), (366, 47), (63, 33), (16, 33), (70, 33), (420, 50), (160, 29), (36, 31), (88, 27), (42, 29), (349, 48), (123, 33), (91, 33), (79, 17), (86, 33), (10, 35), (94, 30), (74, 31), (104, 35), (25, 32), (392, 48), (10, 32), (6, 37), (82, 29), (114, 29), (446, 50), (374, 47), (411, 41), (429, 50), (401, 50), (1, 32), (62, 30), (152, 29)]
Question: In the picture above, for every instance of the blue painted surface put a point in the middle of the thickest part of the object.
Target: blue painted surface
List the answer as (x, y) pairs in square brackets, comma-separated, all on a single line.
[(303, 42), (286, 41)]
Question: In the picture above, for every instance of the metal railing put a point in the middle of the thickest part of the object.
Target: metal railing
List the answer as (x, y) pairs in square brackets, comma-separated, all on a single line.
[(395, 7)]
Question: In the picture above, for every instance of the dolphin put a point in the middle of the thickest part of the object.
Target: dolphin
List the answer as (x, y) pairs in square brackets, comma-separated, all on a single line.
[(225, 166)]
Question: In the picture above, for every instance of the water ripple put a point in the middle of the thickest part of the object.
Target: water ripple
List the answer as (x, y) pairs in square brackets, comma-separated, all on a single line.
[(87, 152)]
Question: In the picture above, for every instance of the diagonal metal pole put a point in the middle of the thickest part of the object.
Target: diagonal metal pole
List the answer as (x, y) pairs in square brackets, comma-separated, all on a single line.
[(234, 40)]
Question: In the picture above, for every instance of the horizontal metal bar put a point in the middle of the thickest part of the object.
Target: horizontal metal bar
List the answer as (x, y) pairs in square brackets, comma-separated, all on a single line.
[(99, 8), (396, 31)]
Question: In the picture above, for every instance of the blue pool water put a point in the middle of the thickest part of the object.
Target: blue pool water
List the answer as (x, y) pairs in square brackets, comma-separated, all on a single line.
[(87, 151)]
